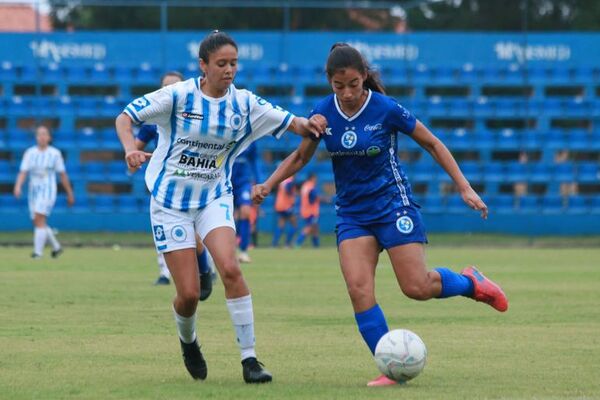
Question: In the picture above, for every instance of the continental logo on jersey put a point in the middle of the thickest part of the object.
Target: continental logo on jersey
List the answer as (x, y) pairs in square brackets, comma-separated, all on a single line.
[(221, 156), (189, 115)]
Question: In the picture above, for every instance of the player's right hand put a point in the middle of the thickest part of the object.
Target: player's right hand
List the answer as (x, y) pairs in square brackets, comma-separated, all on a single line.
[(17, 192), (260, 193), (135, 158)]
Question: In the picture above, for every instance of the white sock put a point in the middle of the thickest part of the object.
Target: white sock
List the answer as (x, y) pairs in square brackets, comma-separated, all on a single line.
[(52, 239), (242, 317), (163, 270), (39, 240), (186, 327)]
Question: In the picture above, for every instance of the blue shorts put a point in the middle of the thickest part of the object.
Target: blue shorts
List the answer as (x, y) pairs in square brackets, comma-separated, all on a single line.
[(406, 226), (313, 219), (287, 214), (242, 195)]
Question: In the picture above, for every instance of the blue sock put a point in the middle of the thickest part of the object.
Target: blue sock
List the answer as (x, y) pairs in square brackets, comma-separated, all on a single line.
[(203, 262), (244, 231), (290, 235), (372, 326), (454, 284), (316, 241), (300, 239), (276, 236)]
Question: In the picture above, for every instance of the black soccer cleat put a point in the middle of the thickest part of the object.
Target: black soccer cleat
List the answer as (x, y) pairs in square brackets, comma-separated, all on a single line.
[(206, 285), (193, 360), (254, 372), (56, 253)]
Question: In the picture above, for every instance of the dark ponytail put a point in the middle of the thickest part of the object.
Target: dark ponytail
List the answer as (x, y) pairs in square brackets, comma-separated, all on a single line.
[(213, 42), (343, 56)]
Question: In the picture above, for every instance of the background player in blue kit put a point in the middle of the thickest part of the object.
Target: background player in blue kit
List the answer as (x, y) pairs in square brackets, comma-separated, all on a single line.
[(149, 134), (245, 172), (204, 123), (375, 209)]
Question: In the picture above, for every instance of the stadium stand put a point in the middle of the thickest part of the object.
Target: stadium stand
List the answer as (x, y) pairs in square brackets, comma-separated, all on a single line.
[(486, 114)]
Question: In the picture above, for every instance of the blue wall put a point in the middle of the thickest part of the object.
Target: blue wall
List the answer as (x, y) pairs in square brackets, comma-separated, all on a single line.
[(133, 48)]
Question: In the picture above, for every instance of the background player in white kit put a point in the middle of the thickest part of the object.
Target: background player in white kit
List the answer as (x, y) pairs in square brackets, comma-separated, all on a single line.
[(203, 124), (42, 162)]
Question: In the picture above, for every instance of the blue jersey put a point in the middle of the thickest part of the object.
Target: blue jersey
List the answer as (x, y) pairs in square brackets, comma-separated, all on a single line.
[(245, 168), (147, 134), (370, 184)]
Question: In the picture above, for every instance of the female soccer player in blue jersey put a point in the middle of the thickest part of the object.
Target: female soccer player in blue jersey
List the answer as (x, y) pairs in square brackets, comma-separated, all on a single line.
[(203, 124), (42, 162), (375, 209)]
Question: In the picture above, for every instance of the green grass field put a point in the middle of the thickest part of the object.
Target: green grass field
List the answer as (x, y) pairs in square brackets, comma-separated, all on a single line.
[(91, 325)]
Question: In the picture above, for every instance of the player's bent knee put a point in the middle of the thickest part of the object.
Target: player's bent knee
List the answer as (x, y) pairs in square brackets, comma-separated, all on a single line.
[(417, 292), (231, 273)]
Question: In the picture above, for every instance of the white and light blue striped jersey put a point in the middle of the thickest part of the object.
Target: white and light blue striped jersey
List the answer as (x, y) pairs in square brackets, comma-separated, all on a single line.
[(42, 166), (199, 139)]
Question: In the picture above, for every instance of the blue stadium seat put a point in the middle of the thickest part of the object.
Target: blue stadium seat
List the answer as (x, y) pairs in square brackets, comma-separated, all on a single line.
[(508, 139), (460, 139), (87, 106), (7, 171), (28, 74), (123, 74), (117, 171), (484, 139), (103, 203), (516, 172), (64, 140), (528, 204), (88, 139), (147, 74), (531, 140), (455, 204), (19, 140), (540, 173), (552, 204), (493, 172), (8, 203), (95, 171), (594, 203), (578, 140), (501, 203), (471, 170), (127, 203), (82, 203), (61, 204), (99, 74), (577, 204), (433, 204), (51, 73), (74, 169), (8, 72), (76, 74), (554, 139), (588, 172), (564, 172)]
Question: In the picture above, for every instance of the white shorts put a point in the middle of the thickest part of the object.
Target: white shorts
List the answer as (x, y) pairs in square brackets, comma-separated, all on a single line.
[(41, 206), (175, 230)]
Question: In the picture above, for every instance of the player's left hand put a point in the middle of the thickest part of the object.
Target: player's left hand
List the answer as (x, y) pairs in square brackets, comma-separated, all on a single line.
[(473, 200), (135, 158), (317, 125), (70, 199), (259, 193)]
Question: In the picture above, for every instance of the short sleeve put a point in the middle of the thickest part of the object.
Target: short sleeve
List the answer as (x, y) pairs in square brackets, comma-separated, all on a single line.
[(265, 119), (59, 165), (26, 162), (147, 133), (154, 108), (401, 119)]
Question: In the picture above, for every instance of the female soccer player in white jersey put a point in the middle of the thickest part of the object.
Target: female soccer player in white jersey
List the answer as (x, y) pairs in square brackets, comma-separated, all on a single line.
[(203, 124), (375, 209), (42, 162)]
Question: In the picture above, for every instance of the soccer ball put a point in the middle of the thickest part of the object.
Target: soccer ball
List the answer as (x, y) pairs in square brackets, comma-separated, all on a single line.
[(400, 355)]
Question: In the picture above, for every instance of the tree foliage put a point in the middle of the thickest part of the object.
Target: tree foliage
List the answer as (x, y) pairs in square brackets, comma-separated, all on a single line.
[(423, 15)]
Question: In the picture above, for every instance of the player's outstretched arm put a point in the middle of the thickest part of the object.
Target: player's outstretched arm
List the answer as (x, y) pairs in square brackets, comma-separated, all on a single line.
[(288, 167), (444, 158), (314, 126), (134, 157)]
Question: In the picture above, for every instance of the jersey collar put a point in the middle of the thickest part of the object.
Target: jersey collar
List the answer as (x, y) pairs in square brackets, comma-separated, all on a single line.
[(356, 114)]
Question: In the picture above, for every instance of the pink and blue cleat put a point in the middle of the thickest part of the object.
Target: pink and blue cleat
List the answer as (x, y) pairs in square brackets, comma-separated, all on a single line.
[(485, 290), (382, 381)]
